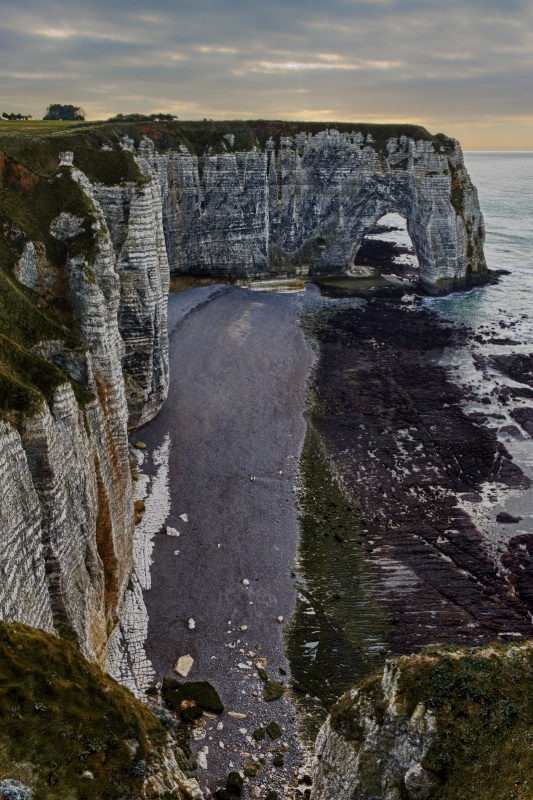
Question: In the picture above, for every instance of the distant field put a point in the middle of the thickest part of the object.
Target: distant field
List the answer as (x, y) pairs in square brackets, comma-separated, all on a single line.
[(36, 125)]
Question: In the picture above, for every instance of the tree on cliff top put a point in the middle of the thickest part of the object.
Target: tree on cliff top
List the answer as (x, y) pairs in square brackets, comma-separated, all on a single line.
[(57, 111)]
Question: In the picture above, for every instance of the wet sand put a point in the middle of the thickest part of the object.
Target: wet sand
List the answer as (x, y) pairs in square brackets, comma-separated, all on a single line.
[(239, 366)]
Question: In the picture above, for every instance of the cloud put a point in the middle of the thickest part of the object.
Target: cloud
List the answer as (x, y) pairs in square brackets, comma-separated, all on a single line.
[(416, 60)]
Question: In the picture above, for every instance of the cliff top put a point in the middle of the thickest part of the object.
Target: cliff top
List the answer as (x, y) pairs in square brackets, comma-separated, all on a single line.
[(471, 707), (37, 145)]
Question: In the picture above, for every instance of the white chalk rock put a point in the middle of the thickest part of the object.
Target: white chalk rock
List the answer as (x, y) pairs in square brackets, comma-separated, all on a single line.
[(201, 757), (183, 665)]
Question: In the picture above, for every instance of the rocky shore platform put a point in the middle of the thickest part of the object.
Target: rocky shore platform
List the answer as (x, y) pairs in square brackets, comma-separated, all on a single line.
[(395, 426)]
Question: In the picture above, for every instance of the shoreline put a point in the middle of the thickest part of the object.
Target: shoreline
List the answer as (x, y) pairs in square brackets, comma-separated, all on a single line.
[(234, 427), (402, 577), (408, 451)]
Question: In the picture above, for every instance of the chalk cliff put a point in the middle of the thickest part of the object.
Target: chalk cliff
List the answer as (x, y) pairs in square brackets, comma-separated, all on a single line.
[(92, 219), (302, 204), (448, 723), (69, 396)]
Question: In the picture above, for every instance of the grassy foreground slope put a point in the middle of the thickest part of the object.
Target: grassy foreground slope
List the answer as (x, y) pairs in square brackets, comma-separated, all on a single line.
[(61, 717)]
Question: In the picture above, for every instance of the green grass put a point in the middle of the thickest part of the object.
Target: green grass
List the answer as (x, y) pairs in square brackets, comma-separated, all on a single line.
[(28, 205), (35, 125), (61, 715), (481, 700), (199, 136)]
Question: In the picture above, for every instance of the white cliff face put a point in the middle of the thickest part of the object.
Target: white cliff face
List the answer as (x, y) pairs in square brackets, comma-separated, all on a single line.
[(22, 567), (134, 221), (66, 532), (305, 207), (370, 748)]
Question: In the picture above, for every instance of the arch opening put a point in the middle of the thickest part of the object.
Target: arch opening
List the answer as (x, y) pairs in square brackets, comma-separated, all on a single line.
[(387, 251)]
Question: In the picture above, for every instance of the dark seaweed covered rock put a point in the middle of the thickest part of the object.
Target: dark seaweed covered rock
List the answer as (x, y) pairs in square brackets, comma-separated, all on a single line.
[(504, 518), (274, 730), (272, 691), (234, 784), (202, 693)]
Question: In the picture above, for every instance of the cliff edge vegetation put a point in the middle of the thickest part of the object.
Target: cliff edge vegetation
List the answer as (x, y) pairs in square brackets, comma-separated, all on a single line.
[(444, 724), (69, 731)]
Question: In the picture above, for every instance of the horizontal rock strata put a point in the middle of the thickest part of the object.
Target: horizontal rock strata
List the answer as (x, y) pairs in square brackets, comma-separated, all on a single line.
[(304, 206), (91, 222), (408, 453), (66, 517)]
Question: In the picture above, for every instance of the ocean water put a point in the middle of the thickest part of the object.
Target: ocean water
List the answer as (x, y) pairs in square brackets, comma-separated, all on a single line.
[(503, 314), (504, 181)]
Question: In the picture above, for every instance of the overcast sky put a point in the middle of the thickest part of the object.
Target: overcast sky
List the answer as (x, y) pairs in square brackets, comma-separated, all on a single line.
[(459, 66)]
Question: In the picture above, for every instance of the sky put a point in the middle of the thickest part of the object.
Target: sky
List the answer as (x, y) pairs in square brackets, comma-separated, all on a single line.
[(463, 67)]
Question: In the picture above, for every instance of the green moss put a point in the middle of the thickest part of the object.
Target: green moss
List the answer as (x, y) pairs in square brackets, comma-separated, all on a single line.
[(346, 722), (259, 735), (336, 603), (457, 196), (272, 691), (200, 692), (62, 715), (274, 730)]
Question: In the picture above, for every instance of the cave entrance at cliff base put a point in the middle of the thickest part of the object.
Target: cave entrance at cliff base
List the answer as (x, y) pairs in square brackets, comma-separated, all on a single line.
[(387, 250)]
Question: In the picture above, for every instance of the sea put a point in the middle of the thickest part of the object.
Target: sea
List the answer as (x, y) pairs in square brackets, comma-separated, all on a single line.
[(504, 181), (504, 311)]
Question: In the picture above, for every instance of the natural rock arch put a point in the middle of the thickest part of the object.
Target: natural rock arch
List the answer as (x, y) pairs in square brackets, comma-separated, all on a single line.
[(377, 252), (300, 206)]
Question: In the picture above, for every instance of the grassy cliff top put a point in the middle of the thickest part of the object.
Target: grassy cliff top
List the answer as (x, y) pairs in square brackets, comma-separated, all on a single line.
[(37, 144), (61, 716), (480, 699)]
